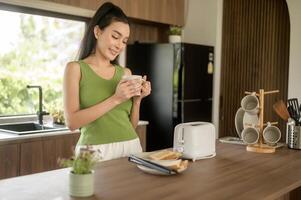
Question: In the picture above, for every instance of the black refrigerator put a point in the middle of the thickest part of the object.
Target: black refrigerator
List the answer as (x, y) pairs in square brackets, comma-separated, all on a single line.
[(181, 77)]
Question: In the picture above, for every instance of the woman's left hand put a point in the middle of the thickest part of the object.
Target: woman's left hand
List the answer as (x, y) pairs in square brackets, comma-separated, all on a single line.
[(146, 89)]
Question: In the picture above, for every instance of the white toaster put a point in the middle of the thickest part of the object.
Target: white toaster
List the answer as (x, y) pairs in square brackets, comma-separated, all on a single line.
[(196, 140)]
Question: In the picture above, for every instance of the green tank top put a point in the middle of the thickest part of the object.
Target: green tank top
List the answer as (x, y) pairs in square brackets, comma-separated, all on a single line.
[(113, 126)]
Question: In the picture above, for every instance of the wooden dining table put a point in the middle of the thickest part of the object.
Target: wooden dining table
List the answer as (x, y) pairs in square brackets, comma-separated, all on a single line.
[(233, 173)]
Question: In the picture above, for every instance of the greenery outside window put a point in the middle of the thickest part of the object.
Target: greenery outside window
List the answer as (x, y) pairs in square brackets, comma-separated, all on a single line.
[(34, 50)]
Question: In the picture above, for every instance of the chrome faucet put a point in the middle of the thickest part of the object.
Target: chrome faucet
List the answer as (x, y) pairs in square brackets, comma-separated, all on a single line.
[(40, 113)]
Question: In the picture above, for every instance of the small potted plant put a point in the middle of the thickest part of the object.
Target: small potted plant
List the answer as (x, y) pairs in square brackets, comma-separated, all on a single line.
[(175, 34), (58, 116), (81, 176), (57, 113)]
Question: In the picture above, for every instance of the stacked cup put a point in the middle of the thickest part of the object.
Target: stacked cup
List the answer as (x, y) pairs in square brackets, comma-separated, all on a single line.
[(250, 133), (271, 134)]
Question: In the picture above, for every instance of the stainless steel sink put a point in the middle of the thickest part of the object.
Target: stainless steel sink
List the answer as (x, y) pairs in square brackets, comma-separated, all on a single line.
[(29, 128)]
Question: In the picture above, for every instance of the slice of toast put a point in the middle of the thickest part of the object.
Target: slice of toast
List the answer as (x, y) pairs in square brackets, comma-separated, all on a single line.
[(183, 165), (180, 165), (173, 156), (165, 155), (174, 165)]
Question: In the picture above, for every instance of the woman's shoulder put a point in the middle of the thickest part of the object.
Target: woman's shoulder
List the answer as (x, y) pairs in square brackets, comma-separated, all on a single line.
[(127, 71), (73, 67), (73, 64), (123, 70)]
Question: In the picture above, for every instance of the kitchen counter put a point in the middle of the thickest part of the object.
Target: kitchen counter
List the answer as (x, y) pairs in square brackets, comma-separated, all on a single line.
[(233, 174), (33, 153), (8, 138)]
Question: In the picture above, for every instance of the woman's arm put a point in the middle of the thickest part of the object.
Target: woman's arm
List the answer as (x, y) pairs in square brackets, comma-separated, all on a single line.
[(76, 118), (134, 116), (135, 112)]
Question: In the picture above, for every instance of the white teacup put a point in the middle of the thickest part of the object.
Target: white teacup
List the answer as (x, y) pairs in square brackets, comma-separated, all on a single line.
[(250, 135), (137, 78), (250, 104), (271, 134), (132, 77)]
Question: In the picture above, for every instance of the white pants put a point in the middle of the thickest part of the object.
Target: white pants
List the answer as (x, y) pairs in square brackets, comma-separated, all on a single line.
[(114, 150)]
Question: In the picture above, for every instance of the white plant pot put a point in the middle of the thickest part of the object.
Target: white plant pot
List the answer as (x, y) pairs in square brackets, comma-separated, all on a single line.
[(174, 38), (81, 185)]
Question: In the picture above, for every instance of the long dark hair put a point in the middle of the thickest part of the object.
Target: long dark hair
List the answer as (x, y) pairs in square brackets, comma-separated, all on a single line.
[(104, 16)]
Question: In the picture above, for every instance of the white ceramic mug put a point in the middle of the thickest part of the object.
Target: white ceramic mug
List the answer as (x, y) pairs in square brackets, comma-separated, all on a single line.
[(137, 78), (250, 135), (250, 104), (271, 134)]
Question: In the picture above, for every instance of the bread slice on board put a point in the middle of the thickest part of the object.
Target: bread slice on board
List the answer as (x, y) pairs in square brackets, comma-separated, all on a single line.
[(165, 155)]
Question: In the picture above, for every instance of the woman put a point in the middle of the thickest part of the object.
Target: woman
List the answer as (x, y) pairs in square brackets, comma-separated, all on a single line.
[(96, 99)]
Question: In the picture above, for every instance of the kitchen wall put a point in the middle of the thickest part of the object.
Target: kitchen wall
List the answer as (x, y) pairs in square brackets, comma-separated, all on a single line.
[(203, 23), (294, 89), (199, 28), (200, 22)]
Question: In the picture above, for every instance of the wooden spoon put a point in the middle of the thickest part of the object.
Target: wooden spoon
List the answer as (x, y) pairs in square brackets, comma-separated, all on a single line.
[(281, 110)]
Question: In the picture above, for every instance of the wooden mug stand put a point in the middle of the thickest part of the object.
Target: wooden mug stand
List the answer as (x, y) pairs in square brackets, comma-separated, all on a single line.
[(260, 147)]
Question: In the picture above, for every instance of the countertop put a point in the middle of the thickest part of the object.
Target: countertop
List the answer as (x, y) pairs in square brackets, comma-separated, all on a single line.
[(233, 174), (6, 138)]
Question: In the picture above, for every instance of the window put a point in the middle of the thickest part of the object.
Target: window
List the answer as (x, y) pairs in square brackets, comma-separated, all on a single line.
[(34, 50)]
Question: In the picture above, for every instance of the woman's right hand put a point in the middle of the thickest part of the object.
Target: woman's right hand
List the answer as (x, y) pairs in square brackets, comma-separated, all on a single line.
[(126, 89)]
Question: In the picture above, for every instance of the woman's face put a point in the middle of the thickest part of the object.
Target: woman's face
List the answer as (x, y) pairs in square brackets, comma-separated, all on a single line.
[(112, 39)]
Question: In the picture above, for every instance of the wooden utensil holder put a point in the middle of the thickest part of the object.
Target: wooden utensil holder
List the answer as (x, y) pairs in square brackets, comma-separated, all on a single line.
[(260, 147)]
